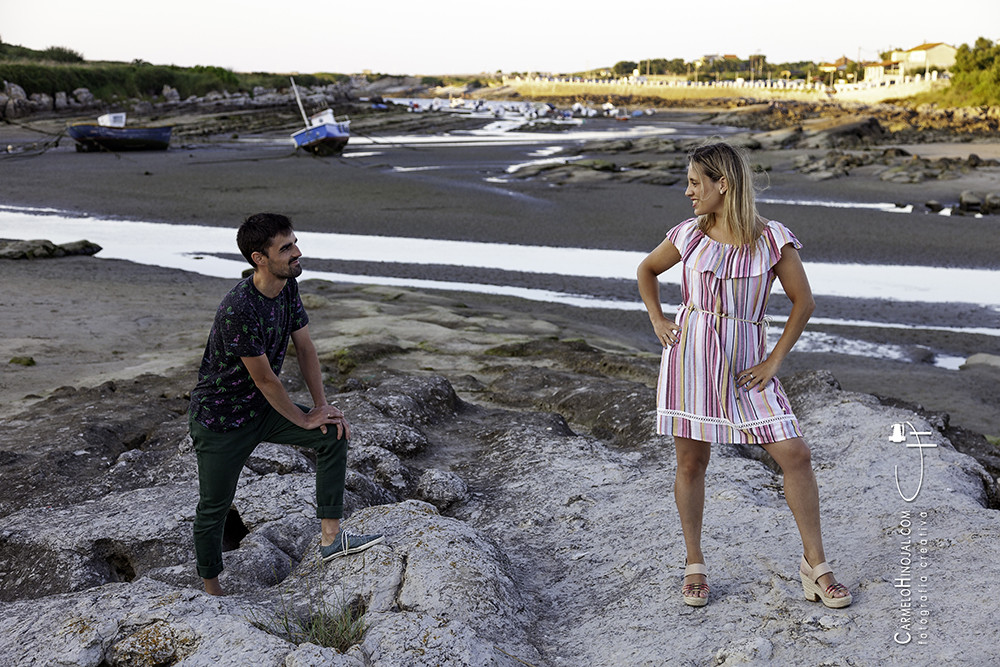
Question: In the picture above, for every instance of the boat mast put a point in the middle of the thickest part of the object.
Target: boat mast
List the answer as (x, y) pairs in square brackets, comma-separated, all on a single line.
[(299, 100)]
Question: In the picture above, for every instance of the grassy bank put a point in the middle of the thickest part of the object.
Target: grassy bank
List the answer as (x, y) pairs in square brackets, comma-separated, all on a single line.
[(108, 81), (59, 69), (975, 81)]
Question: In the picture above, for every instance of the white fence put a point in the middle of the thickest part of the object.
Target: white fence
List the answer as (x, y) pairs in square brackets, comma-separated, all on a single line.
[(762, 88)]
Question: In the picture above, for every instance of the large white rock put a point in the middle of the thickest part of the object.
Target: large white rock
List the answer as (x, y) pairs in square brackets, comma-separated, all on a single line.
[(567, 550)]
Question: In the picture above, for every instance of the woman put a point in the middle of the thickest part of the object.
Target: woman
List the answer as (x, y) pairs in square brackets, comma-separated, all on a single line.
[(717, 382)]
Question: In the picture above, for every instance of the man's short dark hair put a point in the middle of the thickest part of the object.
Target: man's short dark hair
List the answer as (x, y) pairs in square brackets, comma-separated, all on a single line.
[(256, 232)]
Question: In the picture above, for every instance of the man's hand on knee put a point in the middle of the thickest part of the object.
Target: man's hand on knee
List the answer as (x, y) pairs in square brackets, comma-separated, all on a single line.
[(327, 415)]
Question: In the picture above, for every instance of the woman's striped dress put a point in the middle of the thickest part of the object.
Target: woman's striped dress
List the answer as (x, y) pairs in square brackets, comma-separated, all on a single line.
[(725, 290)]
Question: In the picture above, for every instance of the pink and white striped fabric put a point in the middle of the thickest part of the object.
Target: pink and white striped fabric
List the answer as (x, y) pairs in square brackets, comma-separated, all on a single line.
[(725, 289)]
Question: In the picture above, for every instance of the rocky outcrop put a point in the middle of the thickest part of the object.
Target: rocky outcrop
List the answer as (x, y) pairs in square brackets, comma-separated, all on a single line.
[(984, 359), (523, 519), (587, 171), (897, 165), (850, 155), (15, 103), (847, 124), (84, 97), (41, 249)]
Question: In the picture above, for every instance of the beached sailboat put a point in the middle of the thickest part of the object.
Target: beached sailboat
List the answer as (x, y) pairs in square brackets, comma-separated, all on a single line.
[(111, 134), (323, 134)]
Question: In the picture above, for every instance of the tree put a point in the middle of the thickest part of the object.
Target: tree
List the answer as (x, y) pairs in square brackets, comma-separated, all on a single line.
[(61, 54), (624, 67), (982, 56), (653, 66), (976, 72)]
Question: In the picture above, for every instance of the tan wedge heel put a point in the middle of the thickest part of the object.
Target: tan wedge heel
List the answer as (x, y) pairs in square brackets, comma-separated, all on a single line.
[(813, 591), (690, 591)]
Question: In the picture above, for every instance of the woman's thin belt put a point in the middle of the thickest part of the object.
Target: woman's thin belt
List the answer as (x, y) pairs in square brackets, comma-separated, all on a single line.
[(691, 307)]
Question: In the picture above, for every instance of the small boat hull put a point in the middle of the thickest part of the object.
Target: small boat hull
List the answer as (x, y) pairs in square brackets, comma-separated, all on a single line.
[(90, 137), (324, 139)]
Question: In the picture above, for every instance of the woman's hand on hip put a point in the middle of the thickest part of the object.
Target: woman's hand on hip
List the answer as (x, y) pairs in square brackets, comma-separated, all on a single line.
[(758, 376), (667, 331)]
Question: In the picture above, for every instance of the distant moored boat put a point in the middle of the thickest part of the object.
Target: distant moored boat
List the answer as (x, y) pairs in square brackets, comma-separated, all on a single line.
[(110, 134), (323, 134)]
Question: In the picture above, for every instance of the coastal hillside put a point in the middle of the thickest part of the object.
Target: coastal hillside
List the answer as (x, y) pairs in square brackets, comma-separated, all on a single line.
[(49, 80)]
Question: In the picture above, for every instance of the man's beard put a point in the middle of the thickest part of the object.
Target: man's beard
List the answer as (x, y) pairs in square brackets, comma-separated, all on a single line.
[(288, 271)]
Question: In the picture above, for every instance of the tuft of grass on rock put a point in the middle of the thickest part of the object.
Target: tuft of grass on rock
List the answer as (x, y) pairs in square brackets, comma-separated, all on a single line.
[(320, 623), (22, 361)]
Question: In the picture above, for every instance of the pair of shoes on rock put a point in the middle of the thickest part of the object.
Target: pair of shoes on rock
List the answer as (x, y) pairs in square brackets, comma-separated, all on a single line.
[(810, 586), (813, 591), (347, 543), (693, 592)]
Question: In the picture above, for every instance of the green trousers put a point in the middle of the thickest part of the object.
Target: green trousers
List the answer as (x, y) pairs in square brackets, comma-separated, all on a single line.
[(221, 457)]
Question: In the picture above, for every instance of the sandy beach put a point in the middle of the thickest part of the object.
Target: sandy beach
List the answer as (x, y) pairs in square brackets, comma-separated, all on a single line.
[(84, 320)]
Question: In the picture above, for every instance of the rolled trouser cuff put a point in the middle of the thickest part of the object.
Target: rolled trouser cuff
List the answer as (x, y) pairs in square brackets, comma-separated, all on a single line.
[(330, 511), (209, 571)]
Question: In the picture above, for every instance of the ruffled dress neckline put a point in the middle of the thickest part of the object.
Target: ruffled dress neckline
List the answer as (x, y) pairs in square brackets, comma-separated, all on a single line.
[(703, 253)]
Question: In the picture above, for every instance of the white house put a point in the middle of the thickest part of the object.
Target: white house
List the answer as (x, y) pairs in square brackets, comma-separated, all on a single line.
[(920, 59), (887, 70), (917, 61)]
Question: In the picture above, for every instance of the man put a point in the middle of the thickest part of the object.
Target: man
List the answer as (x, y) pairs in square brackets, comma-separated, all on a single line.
[(239, 401)]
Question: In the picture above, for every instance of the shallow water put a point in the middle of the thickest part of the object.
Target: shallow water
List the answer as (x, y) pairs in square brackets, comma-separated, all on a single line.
[(526, 271), (202, 250)]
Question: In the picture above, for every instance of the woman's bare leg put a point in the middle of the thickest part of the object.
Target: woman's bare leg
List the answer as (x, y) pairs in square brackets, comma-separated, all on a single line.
[(689, 494), (802, 495)]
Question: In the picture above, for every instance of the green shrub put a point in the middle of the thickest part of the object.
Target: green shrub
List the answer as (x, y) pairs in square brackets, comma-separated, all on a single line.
[(61, 54), (975, 79), (53, 53)]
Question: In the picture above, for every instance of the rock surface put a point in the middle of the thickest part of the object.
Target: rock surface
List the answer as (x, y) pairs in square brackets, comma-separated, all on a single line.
[(660, 161), (528, 514), (42, 249)]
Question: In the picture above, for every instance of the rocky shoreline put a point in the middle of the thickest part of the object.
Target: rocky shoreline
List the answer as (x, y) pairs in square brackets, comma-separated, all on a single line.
[(44, 249), (525, 501), (850, 133), (847, 145), (505, 448), (898, 122)]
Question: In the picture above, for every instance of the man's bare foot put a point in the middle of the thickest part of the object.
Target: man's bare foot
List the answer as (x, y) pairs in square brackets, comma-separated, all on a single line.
[(212, 586)]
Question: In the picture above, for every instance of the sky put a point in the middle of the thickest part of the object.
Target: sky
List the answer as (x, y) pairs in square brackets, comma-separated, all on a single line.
[(428, 37)]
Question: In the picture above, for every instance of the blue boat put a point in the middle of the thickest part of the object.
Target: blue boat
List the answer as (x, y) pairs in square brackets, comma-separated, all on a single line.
[(110, 134), (323, 134)]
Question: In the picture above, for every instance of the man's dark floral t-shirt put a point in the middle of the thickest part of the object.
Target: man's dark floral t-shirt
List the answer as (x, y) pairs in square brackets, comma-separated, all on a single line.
[(247, 324)]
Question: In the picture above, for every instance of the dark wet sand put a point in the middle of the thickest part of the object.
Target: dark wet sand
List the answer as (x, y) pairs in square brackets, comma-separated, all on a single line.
[(217, 181)]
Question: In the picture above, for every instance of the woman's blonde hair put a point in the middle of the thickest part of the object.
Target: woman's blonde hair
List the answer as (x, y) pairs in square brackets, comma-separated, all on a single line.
[(739, 213)]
